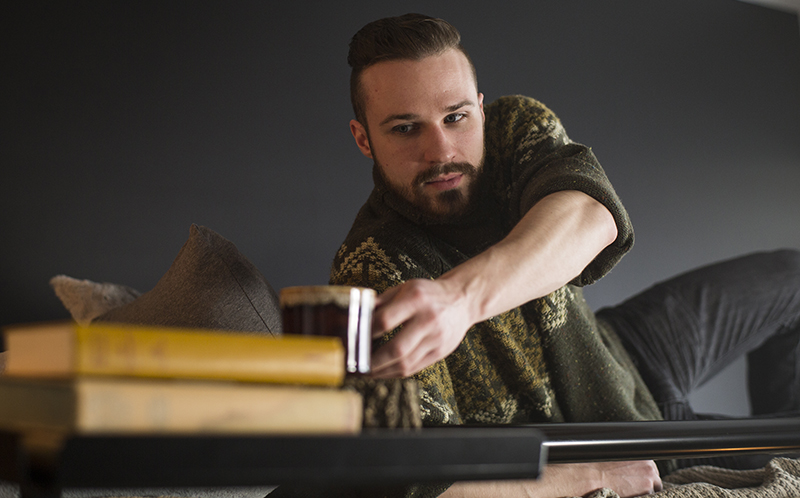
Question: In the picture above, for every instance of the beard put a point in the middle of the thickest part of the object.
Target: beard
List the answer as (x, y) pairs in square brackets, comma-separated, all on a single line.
[(438, 207)]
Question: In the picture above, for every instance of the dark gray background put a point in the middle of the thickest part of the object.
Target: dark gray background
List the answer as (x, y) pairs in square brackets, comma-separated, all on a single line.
[(125, 122)]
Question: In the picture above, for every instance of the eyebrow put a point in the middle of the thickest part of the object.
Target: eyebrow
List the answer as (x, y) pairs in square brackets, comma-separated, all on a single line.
[(410, 117)]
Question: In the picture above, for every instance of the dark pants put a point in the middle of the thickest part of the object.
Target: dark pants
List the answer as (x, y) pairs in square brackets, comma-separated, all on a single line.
[(682, 332)]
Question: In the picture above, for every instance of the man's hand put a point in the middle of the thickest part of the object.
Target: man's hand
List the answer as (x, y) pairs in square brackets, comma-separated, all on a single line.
[(628, 479), (435, 319)]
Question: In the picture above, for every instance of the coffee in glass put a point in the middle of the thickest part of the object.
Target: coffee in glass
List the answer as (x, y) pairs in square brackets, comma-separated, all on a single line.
[(332, 310)]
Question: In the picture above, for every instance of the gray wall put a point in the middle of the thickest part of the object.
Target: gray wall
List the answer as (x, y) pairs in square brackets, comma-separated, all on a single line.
[(122, 124)]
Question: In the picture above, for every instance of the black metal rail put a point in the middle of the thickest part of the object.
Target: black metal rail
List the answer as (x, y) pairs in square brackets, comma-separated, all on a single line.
[(374, 457), (667, 440), (381, 456)]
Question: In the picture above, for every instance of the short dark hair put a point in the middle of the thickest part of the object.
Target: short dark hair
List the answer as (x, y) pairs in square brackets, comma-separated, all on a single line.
[(407, 37)]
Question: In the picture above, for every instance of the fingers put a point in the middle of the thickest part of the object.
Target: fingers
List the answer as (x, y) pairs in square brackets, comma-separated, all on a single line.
[(386, 296), (406, 354), (634, 478), (396, 357), (627, 479), (433, 324), (396, 306), (657, 484)]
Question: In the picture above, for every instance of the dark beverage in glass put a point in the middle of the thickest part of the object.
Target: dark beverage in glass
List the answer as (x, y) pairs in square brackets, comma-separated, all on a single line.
[(340, 311)]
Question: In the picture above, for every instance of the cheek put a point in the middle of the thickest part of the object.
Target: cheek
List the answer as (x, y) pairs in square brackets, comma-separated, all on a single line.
[(405, 161), (396, 166), (472, 145)]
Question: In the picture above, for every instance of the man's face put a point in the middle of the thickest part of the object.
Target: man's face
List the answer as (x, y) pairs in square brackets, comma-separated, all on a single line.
[(425, 120)]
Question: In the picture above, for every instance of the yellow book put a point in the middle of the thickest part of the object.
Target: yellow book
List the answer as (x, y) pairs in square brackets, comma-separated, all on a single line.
[(64, 349), (108, 405)]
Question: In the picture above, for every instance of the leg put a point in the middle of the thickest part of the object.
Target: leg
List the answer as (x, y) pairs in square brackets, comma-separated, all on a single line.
[(682, 332), (770, 381)]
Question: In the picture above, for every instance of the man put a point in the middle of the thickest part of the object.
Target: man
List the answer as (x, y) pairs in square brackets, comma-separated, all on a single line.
[(484, 223)]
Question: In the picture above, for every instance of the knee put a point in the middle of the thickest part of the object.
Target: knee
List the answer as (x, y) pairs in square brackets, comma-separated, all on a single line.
[(787, 260)]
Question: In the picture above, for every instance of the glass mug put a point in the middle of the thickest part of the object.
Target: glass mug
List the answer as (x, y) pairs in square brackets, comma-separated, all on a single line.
[(333, 310)]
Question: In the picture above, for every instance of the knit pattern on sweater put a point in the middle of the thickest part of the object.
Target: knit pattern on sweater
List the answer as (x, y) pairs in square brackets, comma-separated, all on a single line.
[(546, 361)]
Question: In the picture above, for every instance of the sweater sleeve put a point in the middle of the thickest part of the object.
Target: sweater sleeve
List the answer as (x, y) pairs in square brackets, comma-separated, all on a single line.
[(536, 158)]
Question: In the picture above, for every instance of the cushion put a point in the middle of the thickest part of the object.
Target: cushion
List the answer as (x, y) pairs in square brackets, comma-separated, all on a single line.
[(209, 285), (86, 300)]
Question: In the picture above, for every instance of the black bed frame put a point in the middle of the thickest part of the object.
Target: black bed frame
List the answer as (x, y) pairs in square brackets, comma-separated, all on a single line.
[(373, 457)]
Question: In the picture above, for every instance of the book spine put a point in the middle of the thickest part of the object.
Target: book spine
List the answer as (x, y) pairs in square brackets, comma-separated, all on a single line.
[(135, 351), (185, 407), (103, 405)]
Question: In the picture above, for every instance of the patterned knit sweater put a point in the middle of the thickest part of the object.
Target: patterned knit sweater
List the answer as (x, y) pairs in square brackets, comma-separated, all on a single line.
[(549, 360)]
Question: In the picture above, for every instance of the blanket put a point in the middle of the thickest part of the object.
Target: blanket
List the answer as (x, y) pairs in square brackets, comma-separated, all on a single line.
[(780, 478)]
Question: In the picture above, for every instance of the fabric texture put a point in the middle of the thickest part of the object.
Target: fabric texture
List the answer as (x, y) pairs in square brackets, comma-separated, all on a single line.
[(547, 361), (780, 478), (388, 403), (210, 284), (86, 300), (683, 331)]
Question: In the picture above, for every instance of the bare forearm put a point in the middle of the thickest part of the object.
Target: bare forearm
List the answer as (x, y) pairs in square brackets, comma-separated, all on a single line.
[(489, 489), (626, 478), (550, 246)]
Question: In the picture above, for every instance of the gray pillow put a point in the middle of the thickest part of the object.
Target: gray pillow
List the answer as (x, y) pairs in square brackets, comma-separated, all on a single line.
[(86, 300), (209, 285)]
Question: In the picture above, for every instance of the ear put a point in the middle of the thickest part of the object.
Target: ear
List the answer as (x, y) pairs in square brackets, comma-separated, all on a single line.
[(362, 140), (480, 104)]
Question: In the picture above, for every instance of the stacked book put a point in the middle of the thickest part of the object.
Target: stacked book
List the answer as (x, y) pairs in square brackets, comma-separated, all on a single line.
[(125, 379)]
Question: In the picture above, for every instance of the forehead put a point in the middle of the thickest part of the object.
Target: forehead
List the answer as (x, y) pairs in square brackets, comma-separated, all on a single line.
[(417, 86)]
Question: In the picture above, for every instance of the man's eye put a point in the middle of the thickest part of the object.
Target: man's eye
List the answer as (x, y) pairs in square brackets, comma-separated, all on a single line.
[(452, 118), (403, 128)]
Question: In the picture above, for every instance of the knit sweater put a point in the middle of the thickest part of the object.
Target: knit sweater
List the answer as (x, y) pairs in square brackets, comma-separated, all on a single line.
[(548, 360)]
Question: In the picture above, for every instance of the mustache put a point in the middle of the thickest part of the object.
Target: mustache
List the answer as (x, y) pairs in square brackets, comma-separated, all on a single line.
[(438, 170)]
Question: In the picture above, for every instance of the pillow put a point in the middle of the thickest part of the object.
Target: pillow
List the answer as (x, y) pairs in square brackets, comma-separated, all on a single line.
[(86, 300), (209, 285)]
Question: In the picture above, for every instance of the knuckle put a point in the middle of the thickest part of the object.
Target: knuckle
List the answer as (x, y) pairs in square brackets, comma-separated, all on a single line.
[(398, 349), (380, 322), (406, 370), (416, 292), (441, 350)]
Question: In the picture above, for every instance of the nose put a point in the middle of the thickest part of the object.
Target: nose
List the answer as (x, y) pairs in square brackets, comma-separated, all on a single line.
[(439, 146)]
